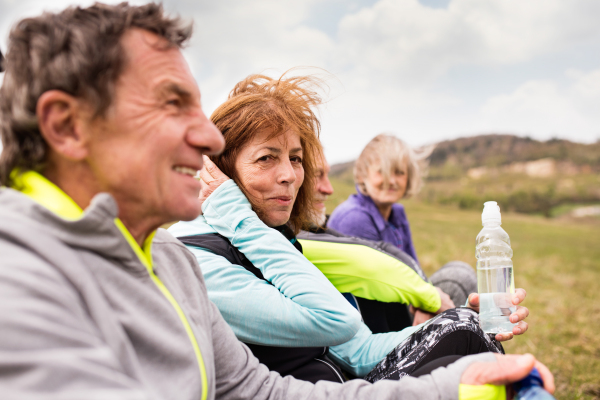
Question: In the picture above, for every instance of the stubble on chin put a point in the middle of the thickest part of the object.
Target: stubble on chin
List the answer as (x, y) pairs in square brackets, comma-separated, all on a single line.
[(318, 217)]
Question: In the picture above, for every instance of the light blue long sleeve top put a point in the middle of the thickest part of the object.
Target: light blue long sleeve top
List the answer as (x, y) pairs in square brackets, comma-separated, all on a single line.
[(298, 308)]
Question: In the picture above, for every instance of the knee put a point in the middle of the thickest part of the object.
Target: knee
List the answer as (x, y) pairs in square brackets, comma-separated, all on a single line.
[(456, 278), (459, 319), (466, 320)]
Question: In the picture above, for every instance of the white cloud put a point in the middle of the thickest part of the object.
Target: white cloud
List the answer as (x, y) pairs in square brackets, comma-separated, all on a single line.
[(404, 39), (236, 38), (545, 107), (390, 58)]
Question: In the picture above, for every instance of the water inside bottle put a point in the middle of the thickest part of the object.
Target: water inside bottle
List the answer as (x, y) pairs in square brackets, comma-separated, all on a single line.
[(496, 286)]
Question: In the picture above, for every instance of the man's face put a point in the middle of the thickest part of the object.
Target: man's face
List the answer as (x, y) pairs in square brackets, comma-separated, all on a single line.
[(148, 147), (323, 190)]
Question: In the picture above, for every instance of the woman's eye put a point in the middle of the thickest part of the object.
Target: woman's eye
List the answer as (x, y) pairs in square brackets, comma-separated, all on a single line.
[(296, 159), (264, 158), (173, 102)]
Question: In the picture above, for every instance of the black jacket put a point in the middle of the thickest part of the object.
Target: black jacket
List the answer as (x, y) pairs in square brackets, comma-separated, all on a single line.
[(305, 363)]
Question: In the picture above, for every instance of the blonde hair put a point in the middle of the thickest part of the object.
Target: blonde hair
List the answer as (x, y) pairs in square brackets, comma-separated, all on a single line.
[(390, 153)]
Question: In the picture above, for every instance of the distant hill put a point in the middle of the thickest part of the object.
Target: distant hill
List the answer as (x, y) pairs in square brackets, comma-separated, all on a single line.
[(522, 174), (453, 158), (498, 150), (342, 170)]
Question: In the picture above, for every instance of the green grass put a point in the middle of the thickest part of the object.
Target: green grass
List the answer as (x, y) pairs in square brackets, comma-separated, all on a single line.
[(556, 261)]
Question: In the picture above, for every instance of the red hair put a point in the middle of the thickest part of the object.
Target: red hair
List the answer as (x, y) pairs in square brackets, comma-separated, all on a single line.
[(260, 103)]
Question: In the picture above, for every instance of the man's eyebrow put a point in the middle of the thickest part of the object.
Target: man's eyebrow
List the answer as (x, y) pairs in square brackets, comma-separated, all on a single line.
[(176, 89)]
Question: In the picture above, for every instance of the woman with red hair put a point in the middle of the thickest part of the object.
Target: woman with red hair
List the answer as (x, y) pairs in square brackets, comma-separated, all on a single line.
[(276, 301)]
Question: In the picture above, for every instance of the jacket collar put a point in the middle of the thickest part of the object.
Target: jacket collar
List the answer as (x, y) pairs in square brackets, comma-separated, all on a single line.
[(47, 194), (57, 203), (367, 203)]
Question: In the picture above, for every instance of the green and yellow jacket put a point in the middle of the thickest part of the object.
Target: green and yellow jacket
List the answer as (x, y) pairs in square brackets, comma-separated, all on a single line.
[(369, 270)]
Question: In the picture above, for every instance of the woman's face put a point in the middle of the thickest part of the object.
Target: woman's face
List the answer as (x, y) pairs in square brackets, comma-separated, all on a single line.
[(271, 173), (396, 189)]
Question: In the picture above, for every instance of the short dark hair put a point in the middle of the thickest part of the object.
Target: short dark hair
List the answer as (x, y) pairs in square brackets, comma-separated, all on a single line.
[(78, 51)]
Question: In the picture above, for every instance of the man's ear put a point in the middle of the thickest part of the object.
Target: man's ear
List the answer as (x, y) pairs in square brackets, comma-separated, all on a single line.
[(59, 119)]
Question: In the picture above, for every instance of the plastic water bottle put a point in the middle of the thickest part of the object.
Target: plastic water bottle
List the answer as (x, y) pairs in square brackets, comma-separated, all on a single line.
[(531, 388), (495, 280)]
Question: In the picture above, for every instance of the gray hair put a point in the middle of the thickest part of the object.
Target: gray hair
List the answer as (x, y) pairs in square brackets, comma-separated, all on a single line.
[(390, 153), (77, 51)]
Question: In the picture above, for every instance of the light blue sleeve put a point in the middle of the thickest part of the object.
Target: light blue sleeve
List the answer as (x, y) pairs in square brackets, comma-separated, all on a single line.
[(301, 308), (365, 350)]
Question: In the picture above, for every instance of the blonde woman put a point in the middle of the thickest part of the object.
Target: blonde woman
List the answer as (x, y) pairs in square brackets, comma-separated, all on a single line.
[(387, 171)]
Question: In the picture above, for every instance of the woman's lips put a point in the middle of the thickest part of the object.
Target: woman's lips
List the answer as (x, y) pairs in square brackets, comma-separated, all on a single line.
[(282, 200)]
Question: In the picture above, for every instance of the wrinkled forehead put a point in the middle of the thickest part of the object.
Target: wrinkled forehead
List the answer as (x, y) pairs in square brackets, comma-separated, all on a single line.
[(152, 62), (287, 138)]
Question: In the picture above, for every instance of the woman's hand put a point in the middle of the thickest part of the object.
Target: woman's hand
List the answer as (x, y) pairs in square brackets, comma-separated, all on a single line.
[(507, 369), (211, 178), (447, 302), (516, 318), (420, 316)]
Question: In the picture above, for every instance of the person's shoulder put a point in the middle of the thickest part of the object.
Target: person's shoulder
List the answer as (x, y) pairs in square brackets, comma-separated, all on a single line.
[(349, 211), (197, 226), (166, 246), (37, 262), (164, 239), (354, 222)]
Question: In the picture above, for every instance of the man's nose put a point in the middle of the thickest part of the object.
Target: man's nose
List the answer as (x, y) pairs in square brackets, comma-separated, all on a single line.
[(206, 137), (325, 186)]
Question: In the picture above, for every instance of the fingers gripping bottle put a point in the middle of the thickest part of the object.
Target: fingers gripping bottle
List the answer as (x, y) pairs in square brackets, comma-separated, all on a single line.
[(495, 280)]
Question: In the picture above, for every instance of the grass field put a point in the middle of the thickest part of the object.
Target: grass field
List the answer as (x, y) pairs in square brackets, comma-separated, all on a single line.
[(556, 261)]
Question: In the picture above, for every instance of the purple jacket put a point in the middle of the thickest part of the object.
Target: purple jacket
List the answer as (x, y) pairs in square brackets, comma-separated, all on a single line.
[(358, 216)]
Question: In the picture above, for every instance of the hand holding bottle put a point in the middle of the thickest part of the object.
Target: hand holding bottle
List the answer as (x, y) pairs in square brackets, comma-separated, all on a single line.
[(517, 317)]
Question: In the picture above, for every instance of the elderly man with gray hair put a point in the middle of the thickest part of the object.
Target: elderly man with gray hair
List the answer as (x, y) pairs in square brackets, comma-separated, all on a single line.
[(102, 134)]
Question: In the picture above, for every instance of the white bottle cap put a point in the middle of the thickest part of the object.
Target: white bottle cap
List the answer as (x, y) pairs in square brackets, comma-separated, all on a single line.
[(491, 213)]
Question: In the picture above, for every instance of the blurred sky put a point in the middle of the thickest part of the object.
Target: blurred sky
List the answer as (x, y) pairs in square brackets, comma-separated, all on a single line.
[(425, 70)]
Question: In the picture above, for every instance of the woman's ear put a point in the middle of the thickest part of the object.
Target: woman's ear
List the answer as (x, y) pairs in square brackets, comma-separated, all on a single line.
[(58, 115)]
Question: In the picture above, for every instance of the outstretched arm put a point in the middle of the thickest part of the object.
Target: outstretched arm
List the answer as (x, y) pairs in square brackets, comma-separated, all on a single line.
[(240, 376), (366, 272)]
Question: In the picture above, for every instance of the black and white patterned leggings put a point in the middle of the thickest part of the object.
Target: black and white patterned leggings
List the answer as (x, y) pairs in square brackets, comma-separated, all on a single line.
[(453, 332)]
